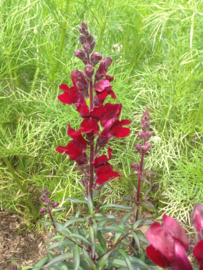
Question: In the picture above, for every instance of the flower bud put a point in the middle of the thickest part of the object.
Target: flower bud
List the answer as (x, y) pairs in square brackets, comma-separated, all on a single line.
[(80, 54), (45, 192), (95, 58), (90, 38), (43, 211), (84, 182), (55, 204), (84, 26), (138, 147), (92, 45), (86, 47), (14, 267), (146, 147), (42, 198), (89, 71), (47, 201), (82, 39), (135, 166)]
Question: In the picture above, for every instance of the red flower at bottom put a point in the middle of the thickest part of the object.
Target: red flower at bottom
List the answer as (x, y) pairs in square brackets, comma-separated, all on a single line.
[(168, 245)]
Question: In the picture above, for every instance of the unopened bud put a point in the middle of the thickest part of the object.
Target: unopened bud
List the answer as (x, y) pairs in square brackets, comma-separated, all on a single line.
[(95, 58), (90, 38), (138, 147), (89, 71), (45, 192), (13, 267), (84, 26), (80, 54), (84, 182), (82, 39), (86, 47), (42, 198), (146, 147), (43, 211), (47, 201), (92, 45), (55, 204), (135, 166)]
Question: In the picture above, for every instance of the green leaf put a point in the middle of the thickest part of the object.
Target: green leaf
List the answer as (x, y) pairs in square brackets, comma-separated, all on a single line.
[(71, 221), (126, 257), (143, 239), (76, 257), (118, 262), (139, 262), (136, 239), (122, 226), (104, 260), (90, 204), (77, 213), (58, 244), (58, 209), (89, 260), (137, 223), (58, 259), (92, 239), (102, 241), (75, 235), (27, 267), (52, 239), (76, 200), (99, 249), (149, 205), (116, 206), (111, 228)]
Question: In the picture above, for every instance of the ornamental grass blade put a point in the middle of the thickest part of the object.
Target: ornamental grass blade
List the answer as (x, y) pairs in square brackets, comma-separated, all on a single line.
[(76, 257), (126, 257)]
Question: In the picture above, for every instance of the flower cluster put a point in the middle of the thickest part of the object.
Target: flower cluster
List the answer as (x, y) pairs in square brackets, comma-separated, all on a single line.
[(95, 86), (47, 202), (169, 242)]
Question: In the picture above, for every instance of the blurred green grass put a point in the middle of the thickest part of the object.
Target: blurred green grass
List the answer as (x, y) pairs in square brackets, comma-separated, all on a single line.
[(157, 54)]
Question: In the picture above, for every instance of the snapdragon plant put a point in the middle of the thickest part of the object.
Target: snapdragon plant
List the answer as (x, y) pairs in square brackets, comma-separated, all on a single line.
[(82, 241)]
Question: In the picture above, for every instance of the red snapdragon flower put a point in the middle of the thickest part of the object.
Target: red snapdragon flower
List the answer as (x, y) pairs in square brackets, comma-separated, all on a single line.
[(104, 170), (76, 148), (168, 245), (197, 220)]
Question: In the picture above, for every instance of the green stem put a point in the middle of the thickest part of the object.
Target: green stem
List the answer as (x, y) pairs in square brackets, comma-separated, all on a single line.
[(21, 187), (63, 32), (196, 120)]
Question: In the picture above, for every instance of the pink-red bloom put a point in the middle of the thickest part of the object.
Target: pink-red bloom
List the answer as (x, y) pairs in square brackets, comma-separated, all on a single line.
[(169, 245), (197, 220), (104, 170)]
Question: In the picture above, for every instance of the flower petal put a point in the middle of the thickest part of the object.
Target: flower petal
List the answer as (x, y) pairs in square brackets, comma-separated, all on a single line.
[(198, 253), (162, 240), (101, 85), (176, 230), (110, 114), (73, 149), (76, 135), (181, 259), (197, 220), (89, 125), (156, 256)]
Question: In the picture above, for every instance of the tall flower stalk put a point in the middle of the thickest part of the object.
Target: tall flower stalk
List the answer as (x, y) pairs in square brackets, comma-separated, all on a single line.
[(94, 86)]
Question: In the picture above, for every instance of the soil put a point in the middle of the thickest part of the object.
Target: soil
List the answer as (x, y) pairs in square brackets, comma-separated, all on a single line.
[(27, 248)]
